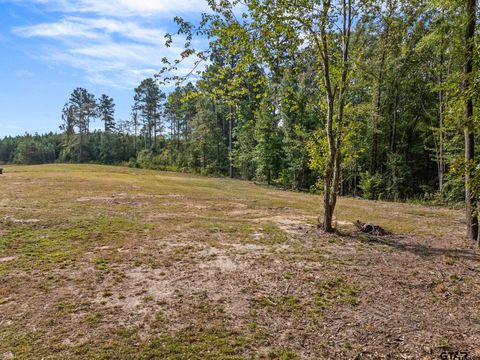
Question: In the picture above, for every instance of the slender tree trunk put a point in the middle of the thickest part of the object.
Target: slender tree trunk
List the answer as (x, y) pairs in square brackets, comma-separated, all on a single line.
[(217, 126), (150, 140), (230, 165), (337, 170), (333, 166), (135, 130), (81, 131), (378, 114), (393, 140), (470, 197), (155, 131), (328, 177), (441, 165), (469, 132), (178, 134), (81, 144)]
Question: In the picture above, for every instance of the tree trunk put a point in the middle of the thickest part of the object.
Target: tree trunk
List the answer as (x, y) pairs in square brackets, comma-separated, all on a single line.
[(441, 166), (135, 130), (378, 114), (393, 139), (441, 163), (81, 144), (155, 132), (469, 132), (230, 126), (333, 166), (329, 170), (150, 137), (470, 196)]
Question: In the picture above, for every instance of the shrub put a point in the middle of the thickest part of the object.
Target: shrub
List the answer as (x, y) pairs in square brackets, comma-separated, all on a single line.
[(372, 186)]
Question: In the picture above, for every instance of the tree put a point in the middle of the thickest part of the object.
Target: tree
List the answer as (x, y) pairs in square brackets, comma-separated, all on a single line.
[(318, 21), (106, 112), (84, 109), (36, 149), (268, 150), (471, 202), (382, 39), (148, 105), (206, 137), (134, 123), (181, 108), (68, 124)]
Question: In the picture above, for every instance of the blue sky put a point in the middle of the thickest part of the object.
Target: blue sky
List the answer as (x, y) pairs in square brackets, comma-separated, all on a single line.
[(50, 47)]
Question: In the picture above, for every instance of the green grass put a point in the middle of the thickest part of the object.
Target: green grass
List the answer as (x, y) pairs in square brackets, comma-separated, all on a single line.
[(287, 303), (210, 343), (330, 293), (336, 291), (41, 247), (272, 234)]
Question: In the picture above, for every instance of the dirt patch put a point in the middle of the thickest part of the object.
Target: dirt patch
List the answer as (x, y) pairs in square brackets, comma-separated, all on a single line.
[(11, 219), (223, 264), (8, 355), (126, 197), (97, 198), (106, 247), (290, 224)]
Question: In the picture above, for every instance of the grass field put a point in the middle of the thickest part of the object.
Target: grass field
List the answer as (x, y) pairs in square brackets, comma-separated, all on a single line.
[(117, 263)]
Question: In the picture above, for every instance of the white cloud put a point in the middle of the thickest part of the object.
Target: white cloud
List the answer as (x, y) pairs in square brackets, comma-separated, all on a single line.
[(92, 29), (120, 8), (63, 28), (109, 52)]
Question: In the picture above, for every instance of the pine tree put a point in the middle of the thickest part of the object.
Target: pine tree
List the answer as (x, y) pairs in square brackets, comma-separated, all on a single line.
[(68, 124), (84, 108), (106, 112), (148, 105)]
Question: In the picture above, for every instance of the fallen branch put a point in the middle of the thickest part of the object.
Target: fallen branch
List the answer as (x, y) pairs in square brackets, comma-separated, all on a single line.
[(370, 229)]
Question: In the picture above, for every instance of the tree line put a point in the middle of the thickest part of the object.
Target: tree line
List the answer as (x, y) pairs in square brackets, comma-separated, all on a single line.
[(374, 98)]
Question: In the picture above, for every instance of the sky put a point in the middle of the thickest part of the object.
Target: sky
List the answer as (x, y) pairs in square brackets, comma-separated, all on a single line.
[(50, 47)]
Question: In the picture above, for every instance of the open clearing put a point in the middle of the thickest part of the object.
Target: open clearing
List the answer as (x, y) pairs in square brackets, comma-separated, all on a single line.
[(112, 262)]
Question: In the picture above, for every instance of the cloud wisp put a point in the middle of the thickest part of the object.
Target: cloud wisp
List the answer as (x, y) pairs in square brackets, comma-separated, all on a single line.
[(126, 8), (110, 52)]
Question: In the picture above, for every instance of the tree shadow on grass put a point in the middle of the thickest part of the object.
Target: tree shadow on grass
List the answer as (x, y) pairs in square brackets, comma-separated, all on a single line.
[(395, 241)]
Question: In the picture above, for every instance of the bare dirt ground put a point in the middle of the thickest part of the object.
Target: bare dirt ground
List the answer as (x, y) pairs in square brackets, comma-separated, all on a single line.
[(116, 263)]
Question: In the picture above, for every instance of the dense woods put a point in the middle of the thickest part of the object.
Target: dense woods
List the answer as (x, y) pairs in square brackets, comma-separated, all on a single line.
[(370, 98)]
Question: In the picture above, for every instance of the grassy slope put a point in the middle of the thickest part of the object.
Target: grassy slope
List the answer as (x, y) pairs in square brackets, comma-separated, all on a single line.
[(105, 262)]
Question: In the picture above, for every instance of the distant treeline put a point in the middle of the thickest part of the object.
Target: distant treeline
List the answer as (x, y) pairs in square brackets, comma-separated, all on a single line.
[(98, 147)]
